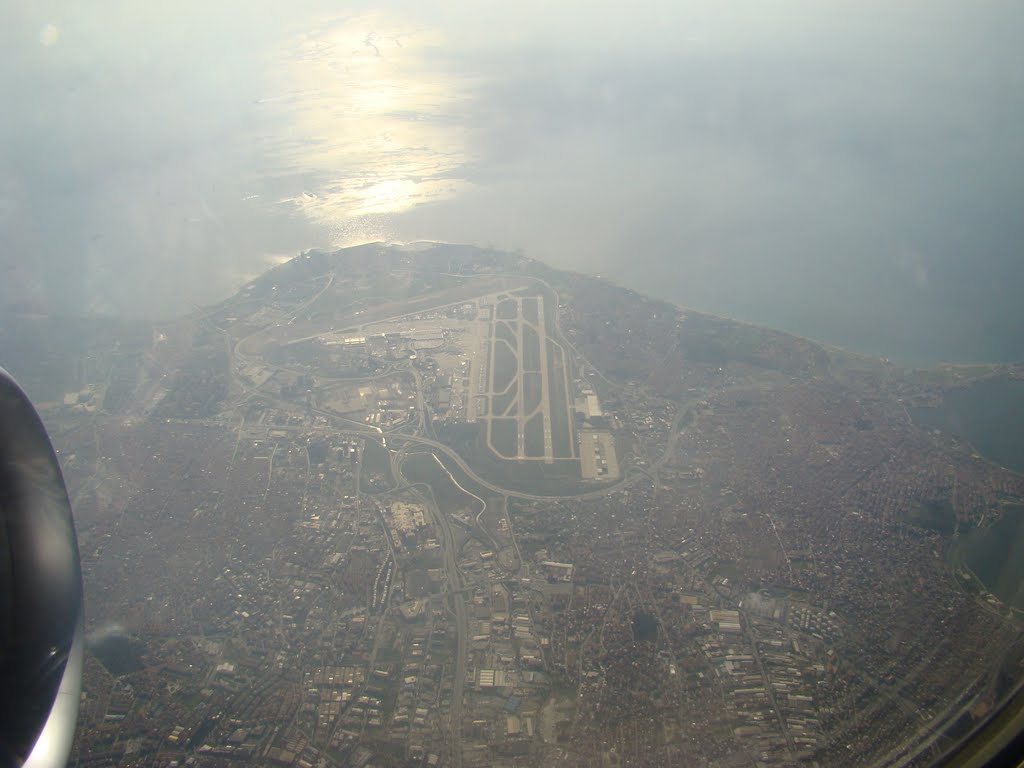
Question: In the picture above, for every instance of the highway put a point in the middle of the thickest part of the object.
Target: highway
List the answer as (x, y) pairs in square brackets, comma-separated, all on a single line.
[(455, 586)]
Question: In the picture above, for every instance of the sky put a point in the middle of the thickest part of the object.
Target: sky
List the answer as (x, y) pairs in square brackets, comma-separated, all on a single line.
[(851, 171)]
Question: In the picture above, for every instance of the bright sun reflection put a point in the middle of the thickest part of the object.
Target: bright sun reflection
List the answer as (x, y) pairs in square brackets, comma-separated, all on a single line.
[(365, 106)]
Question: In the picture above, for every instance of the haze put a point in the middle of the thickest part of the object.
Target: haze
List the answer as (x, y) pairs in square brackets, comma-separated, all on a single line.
[(850, 171)]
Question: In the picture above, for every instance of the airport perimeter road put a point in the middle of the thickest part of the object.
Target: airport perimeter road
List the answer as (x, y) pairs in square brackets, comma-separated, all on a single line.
[(625, 482), (362, 429)]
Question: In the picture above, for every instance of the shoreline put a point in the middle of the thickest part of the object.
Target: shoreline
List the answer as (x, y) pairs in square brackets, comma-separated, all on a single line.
[(1010, 366)]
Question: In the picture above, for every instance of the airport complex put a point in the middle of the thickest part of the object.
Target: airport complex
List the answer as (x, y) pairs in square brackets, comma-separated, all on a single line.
[(442, 506)]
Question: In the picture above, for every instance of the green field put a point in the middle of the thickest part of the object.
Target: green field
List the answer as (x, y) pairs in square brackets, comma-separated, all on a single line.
[(503, 331), (532, 391), (505, 437), (507, 309), (559, 479), (533, 435), (530, 310), (505, 402), (506, 367), (517, 362), (422, 468), (561, 426), (531, 349), (376, 460)]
